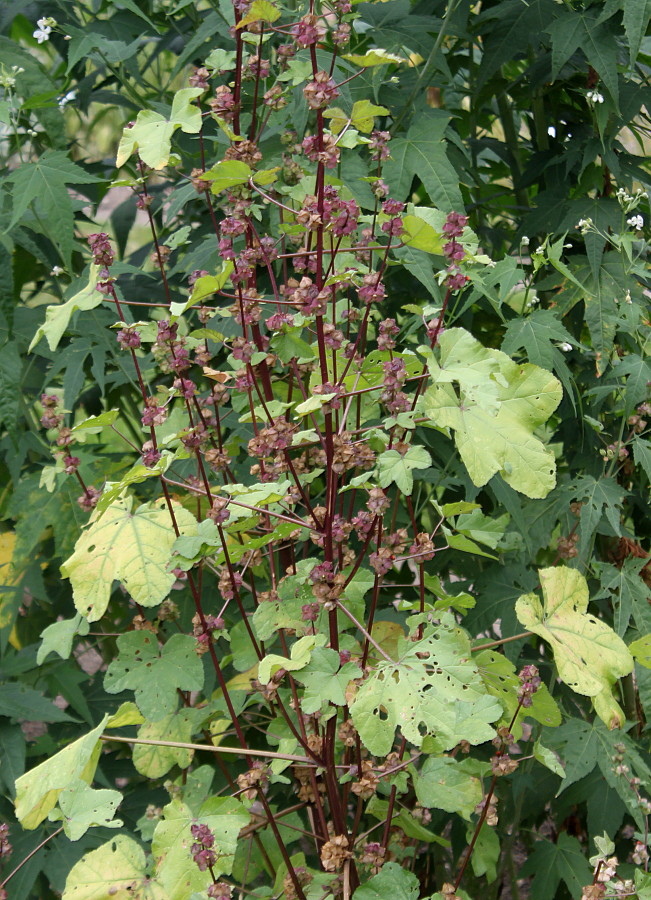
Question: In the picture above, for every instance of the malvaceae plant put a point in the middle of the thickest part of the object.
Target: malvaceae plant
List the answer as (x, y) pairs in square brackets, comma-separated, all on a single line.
[(299, 493)]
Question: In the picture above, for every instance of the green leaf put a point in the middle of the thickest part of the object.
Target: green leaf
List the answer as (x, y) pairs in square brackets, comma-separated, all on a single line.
[(392, 881), (502, 682), (313, 404), (44, 183), (364, 113), (486, 852), (204, 287), (154, 674), (58, 637), (155, 761), (422, 154), (300, 656), (420, 235), (548, 758), (588, 654), (57, 317), (435, 689), (227, 174), (374, 57), (494, 412), (641, 650), (636, 16), (38, 790), (552, 863), (151, 135), (23, 703), (96, 424), (260, 11), (134, 548), (127, 713), (115, 871), (81, 808), (642, 454), (394, 467), (598, 498), (628, 592), (178, 876), (325, 679), (449, 784)]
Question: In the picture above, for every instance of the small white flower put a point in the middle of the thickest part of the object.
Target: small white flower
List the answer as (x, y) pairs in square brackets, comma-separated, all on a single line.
[(56, 271), (539, 251), (42, 34), (595, 97), (67, 98), (44, 30), (636, 222), (565, 347), (551, 131), (524, 240)]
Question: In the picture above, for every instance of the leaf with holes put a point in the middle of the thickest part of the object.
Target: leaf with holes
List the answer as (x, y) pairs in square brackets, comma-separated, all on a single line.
[(155, 673), (115, 871), (81, 808), (589, 656), (133, 548), (435, 690)]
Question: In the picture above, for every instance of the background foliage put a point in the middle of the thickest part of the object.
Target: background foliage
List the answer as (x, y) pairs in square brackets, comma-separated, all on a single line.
[(530, 117)]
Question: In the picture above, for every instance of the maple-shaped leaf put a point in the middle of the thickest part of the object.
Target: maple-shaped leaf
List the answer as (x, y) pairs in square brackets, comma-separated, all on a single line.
[(153, 760), (602, 497), (539, 334), (151, 134), (494, 405), (434, 689), (81, 807), (154, 673), (132, 547), (588, 654), (44, 183), (325, 679), (395, 467), (550, 863), (224, 816)]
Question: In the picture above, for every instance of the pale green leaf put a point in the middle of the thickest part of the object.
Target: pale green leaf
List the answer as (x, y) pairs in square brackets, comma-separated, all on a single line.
[(204, 287), (151, 134), (449, 784), (227, 174), (115, 871), (435, 689), (155, 761), (493, 411), (375, 57), (225, 816), (154, 673), (300, 656), (588, 654), (57, 316), (131, 547), (58, 637), (38, 790), (127, 713), (548, 758), (364, 113), (81, 808), (420, 235), (260, 11), (392, 881)]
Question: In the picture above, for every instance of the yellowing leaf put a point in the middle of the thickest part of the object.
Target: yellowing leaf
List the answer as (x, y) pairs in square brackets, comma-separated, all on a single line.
[(225, 816), (420, 235), (301, 654), (8, 578), (434, 690), (57, 316), (364, 113), (37, 791), (375, 57), (493, 411), (589, 656), (115, 871), (81, 807), (131, 547), (260, 11), (155, 761), (151, 135)]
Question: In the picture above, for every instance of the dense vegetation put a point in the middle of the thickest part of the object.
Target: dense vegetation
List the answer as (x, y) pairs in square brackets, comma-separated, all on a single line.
[(324, 415)]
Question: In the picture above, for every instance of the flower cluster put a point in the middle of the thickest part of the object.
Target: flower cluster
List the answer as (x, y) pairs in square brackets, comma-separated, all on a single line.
[(454, 251), (530, 682), (202, 850)]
